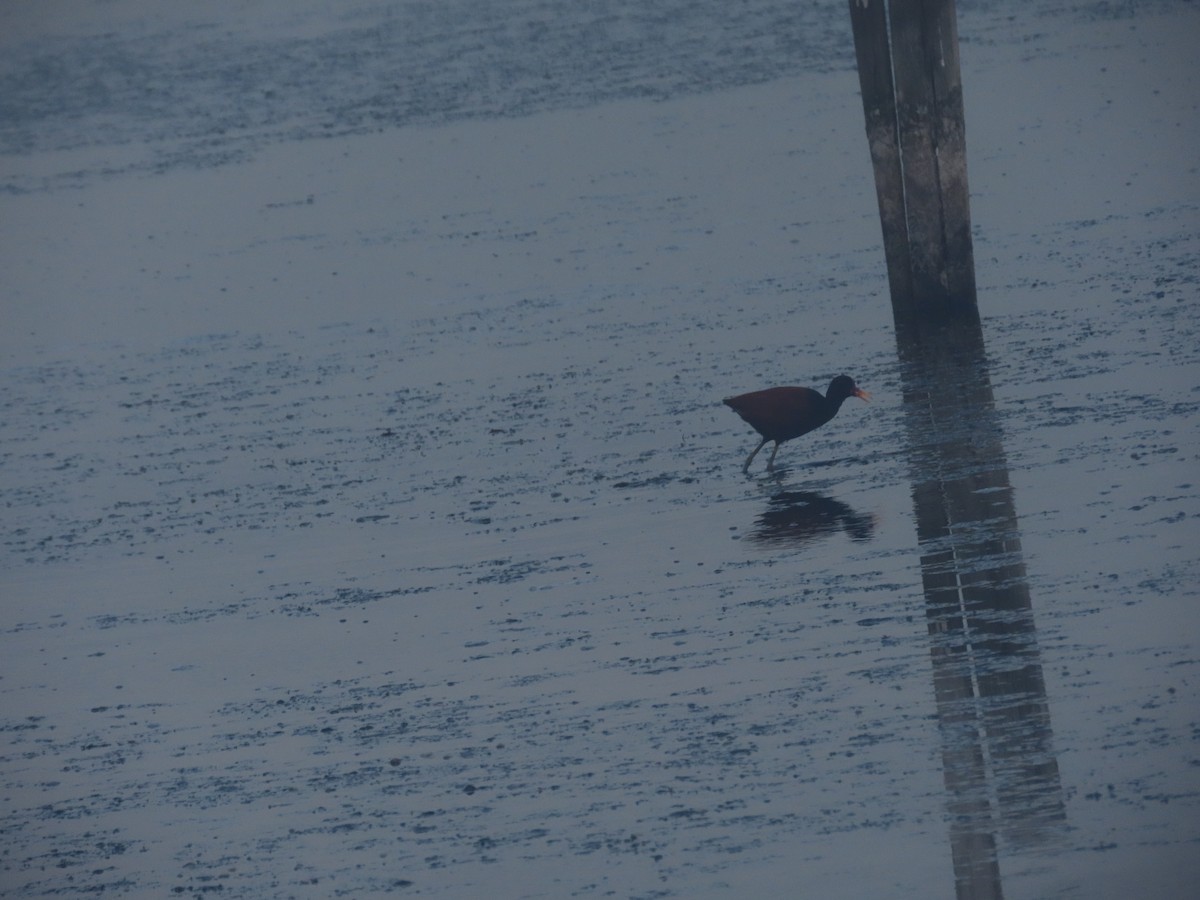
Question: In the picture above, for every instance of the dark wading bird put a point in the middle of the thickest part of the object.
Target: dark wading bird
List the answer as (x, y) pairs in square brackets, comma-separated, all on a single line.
[(782, 413)]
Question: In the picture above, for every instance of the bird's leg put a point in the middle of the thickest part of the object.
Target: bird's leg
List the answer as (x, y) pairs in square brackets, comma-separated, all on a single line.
[(750, 458), (771, 461)]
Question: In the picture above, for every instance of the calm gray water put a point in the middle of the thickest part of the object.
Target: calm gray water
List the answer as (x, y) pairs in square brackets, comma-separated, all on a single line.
[(372, 524)]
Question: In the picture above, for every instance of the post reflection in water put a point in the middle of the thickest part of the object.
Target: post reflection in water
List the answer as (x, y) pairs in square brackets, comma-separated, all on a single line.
[(999, 767), (796, 518)]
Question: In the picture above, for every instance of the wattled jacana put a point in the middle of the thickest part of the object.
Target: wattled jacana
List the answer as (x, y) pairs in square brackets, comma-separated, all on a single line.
[(782, 413)]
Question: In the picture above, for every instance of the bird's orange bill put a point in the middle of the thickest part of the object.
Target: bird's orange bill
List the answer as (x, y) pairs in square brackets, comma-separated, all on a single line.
[(861, 394)]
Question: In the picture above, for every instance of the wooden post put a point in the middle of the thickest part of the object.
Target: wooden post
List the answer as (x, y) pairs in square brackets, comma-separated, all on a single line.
[(869, 21), (907, 52)]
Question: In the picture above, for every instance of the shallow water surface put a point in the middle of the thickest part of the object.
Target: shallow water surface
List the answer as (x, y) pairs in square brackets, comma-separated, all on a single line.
[(373, 524)]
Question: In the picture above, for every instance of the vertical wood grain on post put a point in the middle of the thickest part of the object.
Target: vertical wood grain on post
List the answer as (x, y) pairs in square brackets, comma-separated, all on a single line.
[(868, 20), (921, 54), (929, 114)]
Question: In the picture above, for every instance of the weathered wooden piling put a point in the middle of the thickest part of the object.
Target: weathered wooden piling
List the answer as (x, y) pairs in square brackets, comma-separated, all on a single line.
[(907, 52)]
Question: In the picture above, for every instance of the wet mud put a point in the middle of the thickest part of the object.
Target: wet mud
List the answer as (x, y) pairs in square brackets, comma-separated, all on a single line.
[(378, 541)]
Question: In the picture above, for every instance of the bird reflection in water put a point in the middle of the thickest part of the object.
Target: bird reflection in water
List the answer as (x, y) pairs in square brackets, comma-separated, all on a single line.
[(797, 518)]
